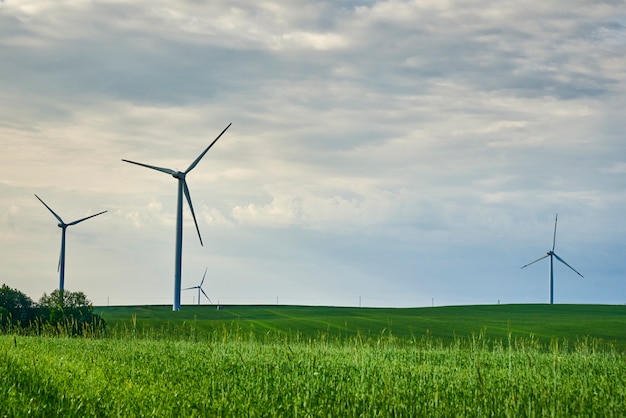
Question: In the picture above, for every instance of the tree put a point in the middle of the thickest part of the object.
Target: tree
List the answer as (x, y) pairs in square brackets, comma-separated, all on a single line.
[(66, 304), (5, 316), (72, 309), (16, 306), (66, 312)]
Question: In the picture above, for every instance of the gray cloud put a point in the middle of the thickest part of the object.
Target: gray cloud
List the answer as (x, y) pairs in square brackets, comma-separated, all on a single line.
[(405, 149)]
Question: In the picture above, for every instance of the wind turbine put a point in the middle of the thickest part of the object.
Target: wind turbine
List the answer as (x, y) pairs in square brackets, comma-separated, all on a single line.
[(553, 255), (200, 289), (63, 226), (182, 188)]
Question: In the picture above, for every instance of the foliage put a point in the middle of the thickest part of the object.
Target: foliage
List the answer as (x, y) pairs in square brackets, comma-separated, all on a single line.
[(235, 374), (61, 305), (15, 307), (70, 310), (65, 313)]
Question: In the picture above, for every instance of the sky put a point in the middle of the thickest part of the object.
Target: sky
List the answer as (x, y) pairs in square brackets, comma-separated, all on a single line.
[(381, 153)]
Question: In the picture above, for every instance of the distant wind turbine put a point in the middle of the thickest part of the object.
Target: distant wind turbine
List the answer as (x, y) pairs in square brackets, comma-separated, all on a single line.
[(553, 255), (200, 289), (63, 226), (182, 188)]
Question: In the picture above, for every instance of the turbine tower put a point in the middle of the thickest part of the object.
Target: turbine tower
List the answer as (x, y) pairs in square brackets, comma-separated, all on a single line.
[(63, 226), (200, 289), (553, 255), (182, 188)]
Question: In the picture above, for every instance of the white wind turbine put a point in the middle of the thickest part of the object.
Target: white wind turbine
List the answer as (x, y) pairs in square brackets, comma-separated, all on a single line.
[(63, 226), (553, 255), (182, 188), (200, 289)]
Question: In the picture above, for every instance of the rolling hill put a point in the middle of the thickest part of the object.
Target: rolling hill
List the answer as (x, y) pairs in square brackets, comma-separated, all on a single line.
[(543, 322)]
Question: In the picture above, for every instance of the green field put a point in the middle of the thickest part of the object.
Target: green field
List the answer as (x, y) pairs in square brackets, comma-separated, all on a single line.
[(292, 361), (543, 322)]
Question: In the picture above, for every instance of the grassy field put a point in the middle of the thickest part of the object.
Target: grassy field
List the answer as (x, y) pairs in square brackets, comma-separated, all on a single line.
[(563, 361), (544, 322)]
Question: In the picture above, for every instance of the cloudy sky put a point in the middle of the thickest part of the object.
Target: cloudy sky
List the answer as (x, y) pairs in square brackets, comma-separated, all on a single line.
[(393, 153)]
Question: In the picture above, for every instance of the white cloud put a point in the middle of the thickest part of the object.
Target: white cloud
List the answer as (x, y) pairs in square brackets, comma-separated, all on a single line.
[(410, 137), (134, 218), (308, 40)]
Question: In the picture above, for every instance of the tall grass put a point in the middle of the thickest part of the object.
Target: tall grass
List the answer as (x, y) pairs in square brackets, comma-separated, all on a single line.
[(234, 373)]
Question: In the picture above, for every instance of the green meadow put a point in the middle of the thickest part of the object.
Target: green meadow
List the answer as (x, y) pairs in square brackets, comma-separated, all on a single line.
[(296, 361), (606, 323)]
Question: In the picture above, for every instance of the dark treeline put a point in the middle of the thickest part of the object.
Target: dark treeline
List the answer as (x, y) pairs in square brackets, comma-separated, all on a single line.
[(67, 313)]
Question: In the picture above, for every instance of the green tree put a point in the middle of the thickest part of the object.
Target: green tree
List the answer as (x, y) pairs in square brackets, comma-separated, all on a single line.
[(5, 317), (15, 306), (71, 309)]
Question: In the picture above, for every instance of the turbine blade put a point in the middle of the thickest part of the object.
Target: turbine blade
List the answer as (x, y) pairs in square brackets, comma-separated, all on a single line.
[(51, 211), (186, 189), (189, 288), (203, 277), (539, 259), (60, 255), (554, 237), (84, 219), (193, 165), (161, 169), (207, 296), (563, 261)]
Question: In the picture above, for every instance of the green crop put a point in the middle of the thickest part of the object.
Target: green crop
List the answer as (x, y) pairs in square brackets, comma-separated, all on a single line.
[(542, 322), (232, 373)]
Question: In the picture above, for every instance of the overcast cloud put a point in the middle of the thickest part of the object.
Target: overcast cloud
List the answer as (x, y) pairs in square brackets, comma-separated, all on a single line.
[(404, 152)]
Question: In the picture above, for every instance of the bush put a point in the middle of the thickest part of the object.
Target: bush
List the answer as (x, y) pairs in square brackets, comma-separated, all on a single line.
[(69, 313)]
